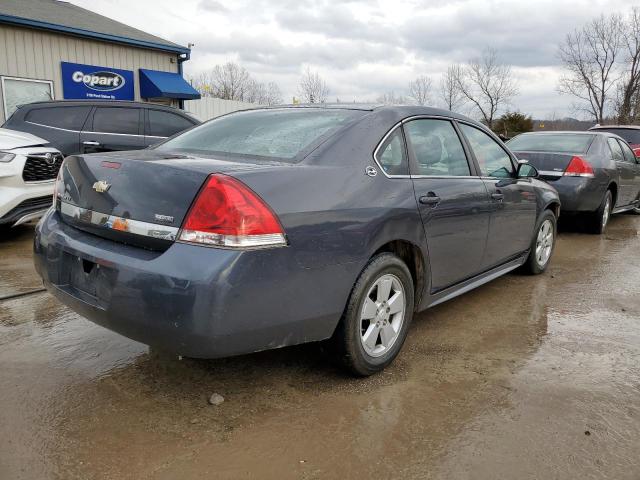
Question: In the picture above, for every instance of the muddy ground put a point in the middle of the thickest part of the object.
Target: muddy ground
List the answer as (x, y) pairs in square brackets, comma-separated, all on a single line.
[(526, 377)]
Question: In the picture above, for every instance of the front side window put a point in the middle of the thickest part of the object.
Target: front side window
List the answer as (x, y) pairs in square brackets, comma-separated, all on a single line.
[(437, 148), (70, 118), (628, 154), (21, 91), (281, 134), (493, 160), (166, 124), (616, 151), (392, 155), (116, 120)]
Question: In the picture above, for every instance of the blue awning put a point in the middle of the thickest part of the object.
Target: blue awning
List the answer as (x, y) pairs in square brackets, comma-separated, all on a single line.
[(156, 84)]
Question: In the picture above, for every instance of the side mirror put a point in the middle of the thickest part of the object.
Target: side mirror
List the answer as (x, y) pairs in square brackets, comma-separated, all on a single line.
[(526, 170)]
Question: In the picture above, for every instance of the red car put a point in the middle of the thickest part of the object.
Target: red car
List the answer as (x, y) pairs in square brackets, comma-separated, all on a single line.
[(631, 133)]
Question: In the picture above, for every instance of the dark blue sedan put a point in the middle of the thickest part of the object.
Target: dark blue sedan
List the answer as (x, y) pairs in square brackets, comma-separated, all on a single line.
[(280, 226)]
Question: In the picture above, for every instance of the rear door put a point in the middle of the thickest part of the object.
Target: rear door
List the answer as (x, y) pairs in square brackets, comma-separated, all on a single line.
[(452, 200), (161, 124), (513, 200), (634, 171), (626, 174), (113, 128)]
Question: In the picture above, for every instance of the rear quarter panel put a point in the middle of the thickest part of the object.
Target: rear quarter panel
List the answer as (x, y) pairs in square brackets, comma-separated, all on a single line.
[(335, 214)]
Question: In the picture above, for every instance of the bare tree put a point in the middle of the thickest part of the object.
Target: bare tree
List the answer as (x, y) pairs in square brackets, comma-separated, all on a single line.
[(629, 86), (420, 90), (390, 98), (312, 87), (449, 91), (589, 54), (233, 82), (487, 84)]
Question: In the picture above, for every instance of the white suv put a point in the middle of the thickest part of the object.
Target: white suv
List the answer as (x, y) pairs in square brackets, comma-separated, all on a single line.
[(28, 170)]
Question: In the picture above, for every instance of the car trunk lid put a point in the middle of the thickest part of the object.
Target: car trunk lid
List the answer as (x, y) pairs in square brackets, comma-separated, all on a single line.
[(139, 198), (550, 166)]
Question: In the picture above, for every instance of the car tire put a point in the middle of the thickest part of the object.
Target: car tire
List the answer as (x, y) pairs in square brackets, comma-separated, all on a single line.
[(542, 244), (599, 220), (380, 306)]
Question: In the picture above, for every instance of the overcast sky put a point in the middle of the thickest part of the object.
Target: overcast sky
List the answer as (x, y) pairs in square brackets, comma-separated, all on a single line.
[(364, 48)]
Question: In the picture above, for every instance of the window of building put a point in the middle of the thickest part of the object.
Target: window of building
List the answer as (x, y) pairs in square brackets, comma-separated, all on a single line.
[(21, 91)]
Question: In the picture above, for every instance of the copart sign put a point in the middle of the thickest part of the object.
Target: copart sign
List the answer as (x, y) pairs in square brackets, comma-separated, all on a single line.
[(90, 82)]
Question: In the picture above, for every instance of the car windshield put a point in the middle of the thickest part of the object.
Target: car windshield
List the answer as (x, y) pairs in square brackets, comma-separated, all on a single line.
[(631, 135), (545, 142), (280, 134)]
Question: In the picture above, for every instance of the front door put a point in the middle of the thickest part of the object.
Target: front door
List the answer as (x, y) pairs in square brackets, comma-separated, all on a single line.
[(113, 129), (513, 200), (453, 201)]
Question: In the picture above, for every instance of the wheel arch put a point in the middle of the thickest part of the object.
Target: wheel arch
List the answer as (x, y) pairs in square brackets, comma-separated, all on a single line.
[(415, 260), (613, 186)]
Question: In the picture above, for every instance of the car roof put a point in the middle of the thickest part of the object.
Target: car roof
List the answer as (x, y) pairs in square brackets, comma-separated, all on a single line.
[(399, 111), (626, 127), (119, 103)]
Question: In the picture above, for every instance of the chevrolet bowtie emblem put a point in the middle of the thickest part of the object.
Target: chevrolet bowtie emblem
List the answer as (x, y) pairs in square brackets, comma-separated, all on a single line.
[(101, 186)]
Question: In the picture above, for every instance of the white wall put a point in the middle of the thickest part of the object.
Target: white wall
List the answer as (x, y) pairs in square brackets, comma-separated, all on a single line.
[(208, 107)]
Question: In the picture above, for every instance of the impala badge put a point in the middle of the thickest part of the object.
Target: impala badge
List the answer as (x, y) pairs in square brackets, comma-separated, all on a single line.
[(163, 218), (101, 186)]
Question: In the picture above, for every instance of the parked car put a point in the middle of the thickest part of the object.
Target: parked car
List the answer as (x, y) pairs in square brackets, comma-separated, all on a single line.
[(280, 226), (631, 133), (28, 169), (595, 173), (86, 126)]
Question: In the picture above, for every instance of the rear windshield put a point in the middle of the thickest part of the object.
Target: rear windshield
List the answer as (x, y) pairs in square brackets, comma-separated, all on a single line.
[(277, 134), (557, 143), (631, 135)]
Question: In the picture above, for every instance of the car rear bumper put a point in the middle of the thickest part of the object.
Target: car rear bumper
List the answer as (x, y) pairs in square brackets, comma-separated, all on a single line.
[(579, 194), (195, 301)]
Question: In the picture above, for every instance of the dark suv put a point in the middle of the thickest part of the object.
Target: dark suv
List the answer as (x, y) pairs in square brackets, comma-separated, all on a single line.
[(99, 126)]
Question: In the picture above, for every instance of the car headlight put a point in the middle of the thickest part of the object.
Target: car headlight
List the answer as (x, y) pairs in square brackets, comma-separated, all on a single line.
[(6, 156)]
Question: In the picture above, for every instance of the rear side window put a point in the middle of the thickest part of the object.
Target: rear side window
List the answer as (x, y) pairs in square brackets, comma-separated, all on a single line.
[(437, 148), (616, 151), (392, 155), (492, 159), (280, 133), (550, 142), (70, 118), (116, 120), (166, 124), (629, 156)]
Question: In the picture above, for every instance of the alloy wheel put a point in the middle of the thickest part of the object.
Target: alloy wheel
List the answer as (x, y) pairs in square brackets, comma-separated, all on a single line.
[(382, 315), (544, 242)]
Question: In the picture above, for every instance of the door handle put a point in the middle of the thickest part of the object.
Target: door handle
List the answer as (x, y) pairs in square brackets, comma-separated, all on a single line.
[(91, 143), (429, 199), (498, 197)]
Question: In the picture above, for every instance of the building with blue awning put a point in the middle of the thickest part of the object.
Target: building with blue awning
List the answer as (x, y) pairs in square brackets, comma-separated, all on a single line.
[(56, 50)]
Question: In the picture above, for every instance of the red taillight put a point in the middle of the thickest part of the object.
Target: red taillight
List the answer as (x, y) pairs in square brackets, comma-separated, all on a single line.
[(227, 213), (579, 167)]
